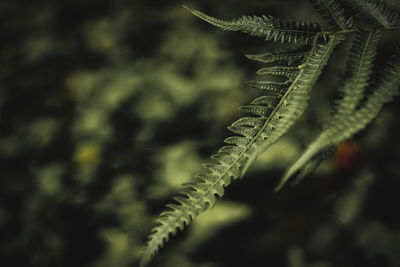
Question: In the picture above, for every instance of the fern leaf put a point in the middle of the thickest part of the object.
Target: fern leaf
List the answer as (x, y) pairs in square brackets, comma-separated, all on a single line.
[(266, 100), (249, 121), (232, 160), (375, 12), (348, 122), (333, 13), (267, 27)]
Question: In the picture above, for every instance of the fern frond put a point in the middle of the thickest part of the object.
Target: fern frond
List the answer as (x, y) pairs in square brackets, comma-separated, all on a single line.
[(271, 117), (333, 13), (267, 27), (358, 70), (375, 12), (295, 100), (350, 121), (298, 92)]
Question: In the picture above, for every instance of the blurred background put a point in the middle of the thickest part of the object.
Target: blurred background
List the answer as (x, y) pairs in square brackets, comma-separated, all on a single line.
[(107, 107)]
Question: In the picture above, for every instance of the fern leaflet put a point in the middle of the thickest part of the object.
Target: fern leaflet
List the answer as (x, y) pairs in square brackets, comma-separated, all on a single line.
[(289, 72), (272, 86), (275, 57)]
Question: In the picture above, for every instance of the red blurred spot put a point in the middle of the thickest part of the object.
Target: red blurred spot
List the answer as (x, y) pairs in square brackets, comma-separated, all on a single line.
[(348, 154), (295, 225)]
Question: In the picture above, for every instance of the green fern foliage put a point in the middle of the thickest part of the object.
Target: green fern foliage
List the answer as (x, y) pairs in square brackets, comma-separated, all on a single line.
[(270, 117), (295, 100), (267, 27), (375, 12), (358, 71), (347, 120), (286, 83)]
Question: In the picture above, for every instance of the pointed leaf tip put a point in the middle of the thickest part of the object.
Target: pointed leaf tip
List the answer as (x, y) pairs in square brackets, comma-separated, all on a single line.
[(186, 7)]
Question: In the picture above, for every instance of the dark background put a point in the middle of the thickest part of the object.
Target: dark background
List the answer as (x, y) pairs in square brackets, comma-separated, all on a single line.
[(106, 107)]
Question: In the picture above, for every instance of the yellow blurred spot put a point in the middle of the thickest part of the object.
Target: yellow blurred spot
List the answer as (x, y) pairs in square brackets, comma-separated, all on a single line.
[(88, 155)]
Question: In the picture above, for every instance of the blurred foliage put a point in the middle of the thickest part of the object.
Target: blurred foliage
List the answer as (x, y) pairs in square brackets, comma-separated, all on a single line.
[(106, 107)]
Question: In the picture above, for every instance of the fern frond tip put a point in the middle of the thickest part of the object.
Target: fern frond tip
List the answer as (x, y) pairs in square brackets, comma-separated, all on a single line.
[(266, 26)]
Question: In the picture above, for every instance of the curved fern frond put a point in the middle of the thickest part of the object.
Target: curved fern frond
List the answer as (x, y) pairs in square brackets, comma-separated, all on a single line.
[(333, 13), (271, 117), (375, 12), (358, 70), (348, 120), (267, 27)]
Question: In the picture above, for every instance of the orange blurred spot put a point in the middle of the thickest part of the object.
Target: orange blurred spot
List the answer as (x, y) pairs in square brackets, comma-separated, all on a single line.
[(347, 154)]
